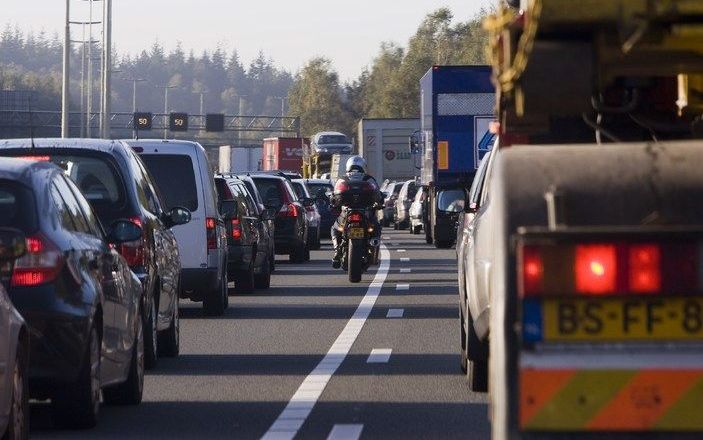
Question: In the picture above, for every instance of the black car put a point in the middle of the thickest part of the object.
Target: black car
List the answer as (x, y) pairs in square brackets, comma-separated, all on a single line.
[(250, 250), (271, 223), (290, 232), (115, 182), (321, 190), (81, 302)]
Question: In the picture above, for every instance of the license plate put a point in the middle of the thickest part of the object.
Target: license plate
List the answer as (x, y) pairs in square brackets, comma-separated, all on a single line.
[(622, 319), (357, 233)]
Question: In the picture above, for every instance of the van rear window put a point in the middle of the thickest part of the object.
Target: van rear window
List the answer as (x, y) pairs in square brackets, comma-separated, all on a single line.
[(175, 177)]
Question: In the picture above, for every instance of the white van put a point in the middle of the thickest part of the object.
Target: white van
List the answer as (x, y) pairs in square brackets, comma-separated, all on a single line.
[(182, 172)]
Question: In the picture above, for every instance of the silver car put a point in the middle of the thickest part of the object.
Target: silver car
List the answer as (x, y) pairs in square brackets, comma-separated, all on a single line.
[(14, 341), (405, 198)]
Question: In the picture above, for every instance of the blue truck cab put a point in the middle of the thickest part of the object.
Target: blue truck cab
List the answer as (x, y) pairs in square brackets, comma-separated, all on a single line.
[(457, 105)]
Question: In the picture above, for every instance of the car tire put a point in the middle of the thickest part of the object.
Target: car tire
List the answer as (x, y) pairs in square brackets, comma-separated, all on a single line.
[(76, 405), (244, 280), (428, 236), (214, 301), (169, 339), (151, 339), (263, 280), (476, 357), (306, 253), (316, 243), (463, 355), (18, 422), (297, 255), (130, 391)]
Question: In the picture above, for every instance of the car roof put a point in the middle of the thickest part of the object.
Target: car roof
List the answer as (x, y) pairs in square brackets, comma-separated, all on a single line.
[(267, 176), (22, 170), (318, 181), (326, 133), (103, 145)]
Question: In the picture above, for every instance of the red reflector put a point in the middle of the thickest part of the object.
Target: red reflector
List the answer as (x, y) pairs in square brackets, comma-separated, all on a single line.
[(532, 271), (210, 223), (645, 275), (355, 217), (236, 229), (596, 269)]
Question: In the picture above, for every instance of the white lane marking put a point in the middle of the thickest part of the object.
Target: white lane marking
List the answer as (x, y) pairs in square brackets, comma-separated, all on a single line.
[(395, 313), (402, 287), (400, 250), (345, 432), (405, 260), (379, 356), (385, 237), (405, 270), (300, 405)]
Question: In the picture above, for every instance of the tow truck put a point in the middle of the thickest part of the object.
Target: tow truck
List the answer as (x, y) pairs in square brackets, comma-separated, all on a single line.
[(596, 198)]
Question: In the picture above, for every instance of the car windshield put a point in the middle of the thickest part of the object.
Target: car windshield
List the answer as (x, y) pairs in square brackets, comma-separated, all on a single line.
[(332, 139), (17, 207), (175, 177), (451, 200)]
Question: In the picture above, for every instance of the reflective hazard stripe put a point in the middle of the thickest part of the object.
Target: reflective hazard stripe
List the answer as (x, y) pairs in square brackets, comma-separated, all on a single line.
[(611, 400)]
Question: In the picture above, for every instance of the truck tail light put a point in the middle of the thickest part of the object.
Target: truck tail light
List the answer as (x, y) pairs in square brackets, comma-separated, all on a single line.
[(236, 229), (211, 232), (134, 252), (288, 210), (610, 268), (40, 265)]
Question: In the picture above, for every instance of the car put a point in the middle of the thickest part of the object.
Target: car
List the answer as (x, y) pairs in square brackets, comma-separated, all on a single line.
[(311, 212), (327, 143), (416, 211), (182, 173), (402, 205), (80, 300), (474, 251), (115, 182), (249, 247), (385, 215), (291, 228), (321, 190), (14, 339), (269, 225)]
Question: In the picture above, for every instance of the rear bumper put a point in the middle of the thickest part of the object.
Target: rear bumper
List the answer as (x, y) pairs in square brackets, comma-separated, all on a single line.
[(196, 282)]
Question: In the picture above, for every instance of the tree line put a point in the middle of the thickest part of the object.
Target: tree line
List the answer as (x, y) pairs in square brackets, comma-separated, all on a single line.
[(387, 88)]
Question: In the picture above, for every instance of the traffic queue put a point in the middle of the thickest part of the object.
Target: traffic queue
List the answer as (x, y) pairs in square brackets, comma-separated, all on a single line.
[(100, 239)]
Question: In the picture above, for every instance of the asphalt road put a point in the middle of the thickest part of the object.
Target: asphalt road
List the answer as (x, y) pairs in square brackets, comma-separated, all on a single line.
[(236, 374)]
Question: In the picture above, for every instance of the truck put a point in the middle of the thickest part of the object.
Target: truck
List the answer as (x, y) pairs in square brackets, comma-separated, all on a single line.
[(283, 153), (383, 143), (317, 156), (593, 196), (338, 166), (240, 159), (457, 109)]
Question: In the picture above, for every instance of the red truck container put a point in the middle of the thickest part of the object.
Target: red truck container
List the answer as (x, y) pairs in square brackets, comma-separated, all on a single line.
[(285, 154)]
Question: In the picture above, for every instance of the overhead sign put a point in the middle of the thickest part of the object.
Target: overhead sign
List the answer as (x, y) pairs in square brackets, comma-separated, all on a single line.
[(215, 122), (178, 122), (142, 121)]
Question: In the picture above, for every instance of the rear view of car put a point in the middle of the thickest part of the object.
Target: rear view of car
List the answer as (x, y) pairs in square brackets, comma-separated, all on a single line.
[(416, 211), (385, 215), (311, 212), (321, 190), (402, 204), (182, 173)]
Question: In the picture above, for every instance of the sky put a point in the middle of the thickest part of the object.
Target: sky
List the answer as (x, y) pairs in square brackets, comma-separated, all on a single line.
[(289, 32)]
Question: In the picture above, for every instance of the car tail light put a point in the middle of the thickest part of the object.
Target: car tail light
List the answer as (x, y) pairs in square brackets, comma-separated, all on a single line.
[(288, 210), (40, 265), (211, 232), (36, 158), (236, 229), (355, 217), (610, 268), (134, 252)]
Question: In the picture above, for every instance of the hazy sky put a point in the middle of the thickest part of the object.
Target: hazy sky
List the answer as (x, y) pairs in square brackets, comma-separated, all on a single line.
[(290, 32)]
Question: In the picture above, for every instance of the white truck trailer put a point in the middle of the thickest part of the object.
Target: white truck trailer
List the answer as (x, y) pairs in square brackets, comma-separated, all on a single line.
[(240, 159), (384, 145)]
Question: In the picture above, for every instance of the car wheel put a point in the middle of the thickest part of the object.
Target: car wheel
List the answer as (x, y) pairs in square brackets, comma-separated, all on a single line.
[(169, 339), (76, 405), (214, 301), (428, 236), (463, 355), (151, 344), (306, 253), (263, 280), (18, 423), (272, 260), (316, 244), (244, 280), (130, 391), (395, 226), (476, 357)]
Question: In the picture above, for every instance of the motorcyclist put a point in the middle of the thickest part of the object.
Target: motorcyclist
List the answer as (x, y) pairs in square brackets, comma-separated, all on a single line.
[(355, 170)]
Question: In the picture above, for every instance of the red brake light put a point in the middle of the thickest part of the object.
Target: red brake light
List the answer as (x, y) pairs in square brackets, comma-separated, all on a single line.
[(355, 217), (40, 265), (645, 274), (532, 271), (210, 223), (134, 252), (236, 229), (36, 158), (595, 268), (211, 232), (288, 210)]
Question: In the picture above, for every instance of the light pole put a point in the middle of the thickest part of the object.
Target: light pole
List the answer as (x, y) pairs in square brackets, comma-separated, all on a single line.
[(107, 70), (65, 92), (134, 90), (166, 89), (283, 104)]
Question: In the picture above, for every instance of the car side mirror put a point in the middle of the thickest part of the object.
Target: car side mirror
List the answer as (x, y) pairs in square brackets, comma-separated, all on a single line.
[(177, 216), (268, 214), (307, 202), (228, 208), (13, 244), (122, 231)]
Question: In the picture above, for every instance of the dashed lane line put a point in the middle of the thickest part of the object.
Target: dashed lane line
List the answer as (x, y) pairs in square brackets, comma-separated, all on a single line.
[(402, 287), (345, 432), (379, 356), (400, 250), (395, 313), (405, 270), (405, 260), (301, 404)]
